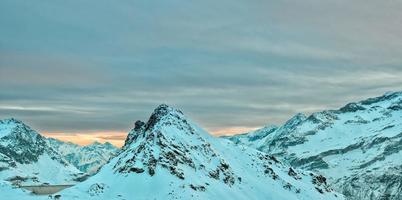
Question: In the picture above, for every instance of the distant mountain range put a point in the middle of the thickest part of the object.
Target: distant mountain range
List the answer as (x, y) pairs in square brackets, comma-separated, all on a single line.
[(358, 147), (28, 158), (350, 153), (88, 158)]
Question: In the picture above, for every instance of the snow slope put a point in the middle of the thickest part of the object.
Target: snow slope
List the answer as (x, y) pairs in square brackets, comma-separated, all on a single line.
[(170, 157), (358, 147), (88, 158), (8, 192), (26, 158)]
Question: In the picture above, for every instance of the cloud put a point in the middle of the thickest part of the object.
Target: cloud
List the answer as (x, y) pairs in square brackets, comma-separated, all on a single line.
[(114, 137), (226, 64)]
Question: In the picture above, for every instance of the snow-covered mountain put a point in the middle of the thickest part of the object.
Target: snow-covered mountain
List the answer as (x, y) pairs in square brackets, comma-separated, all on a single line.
[(170, 157), (26, 158), (358, 147), (88, 158)]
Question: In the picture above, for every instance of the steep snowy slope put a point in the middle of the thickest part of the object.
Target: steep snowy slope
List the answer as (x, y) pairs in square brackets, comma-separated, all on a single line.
[(358, 147), (88, 158), (26, 158), (169, 157)]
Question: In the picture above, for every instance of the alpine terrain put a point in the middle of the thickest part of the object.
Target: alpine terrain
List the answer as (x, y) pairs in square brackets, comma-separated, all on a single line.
[(27, 159), (358, 147), (88, 158), (169, 157)]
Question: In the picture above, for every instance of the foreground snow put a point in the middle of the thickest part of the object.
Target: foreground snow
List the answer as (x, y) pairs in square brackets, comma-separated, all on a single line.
[(9, 192)]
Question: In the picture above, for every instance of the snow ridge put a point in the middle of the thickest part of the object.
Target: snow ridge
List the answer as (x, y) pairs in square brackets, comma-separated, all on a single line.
[(357, 146)]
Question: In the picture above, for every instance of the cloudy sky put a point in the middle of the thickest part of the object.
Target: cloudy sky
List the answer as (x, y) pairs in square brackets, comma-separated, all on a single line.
[(91, 68)]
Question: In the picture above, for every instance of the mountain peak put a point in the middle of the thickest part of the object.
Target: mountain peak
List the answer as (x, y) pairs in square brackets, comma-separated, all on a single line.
[(11, 120), (295, 120), (138, 125), (95, 143), (399, 93), (169, 141), (101, 145), (108, 144), (164, 109), (161, 112), (158, 114), (23, 145), (387, 97), (14, 127)]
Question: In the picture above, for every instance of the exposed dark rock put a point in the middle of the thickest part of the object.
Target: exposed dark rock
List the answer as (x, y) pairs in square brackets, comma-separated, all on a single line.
[(320, 180), (381, 98), (97, 189), (319, 190), (198, 187), (288, 186), (137, 170), (352, 107), (139, 125), (293, 174), (214, 174), (82, 178), (269, 171)]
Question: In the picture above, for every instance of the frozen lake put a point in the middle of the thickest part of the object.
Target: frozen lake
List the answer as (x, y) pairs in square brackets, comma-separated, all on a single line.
[(45, 189)]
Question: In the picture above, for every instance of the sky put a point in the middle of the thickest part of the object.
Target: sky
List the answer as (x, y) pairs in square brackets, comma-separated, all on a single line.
[(87, 70)]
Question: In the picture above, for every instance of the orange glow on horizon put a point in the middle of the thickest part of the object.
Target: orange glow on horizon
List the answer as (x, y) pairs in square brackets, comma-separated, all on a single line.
[(232, 130), (114, 137), (117, 138)]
